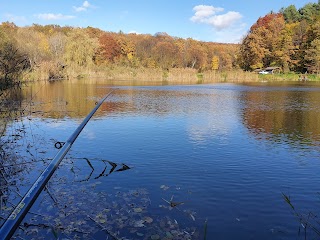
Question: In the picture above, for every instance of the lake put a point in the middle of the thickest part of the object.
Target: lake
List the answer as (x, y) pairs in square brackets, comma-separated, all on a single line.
[(168, 161)]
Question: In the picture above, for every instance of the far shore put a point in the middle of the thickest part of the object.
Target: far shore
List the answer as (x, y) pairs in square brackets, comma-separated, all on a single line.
[(181, 75)]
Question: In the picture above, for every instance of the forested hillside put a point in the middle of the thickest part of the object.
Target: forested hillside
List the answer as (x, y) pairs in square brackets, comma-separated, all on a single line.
[(53, 51), (289, 39)]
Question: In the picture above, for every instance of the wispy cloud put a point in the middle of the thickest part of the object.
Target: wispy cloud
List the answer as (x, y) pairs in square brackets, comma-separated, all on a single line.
[(52, 16), (83, 7), (209, 15), (15, 18), (232, 35)]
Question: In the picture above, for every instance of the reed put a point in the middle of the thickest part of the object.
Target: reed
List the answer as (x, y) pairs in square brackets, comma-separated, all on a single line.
[(49, 70), (187, 75), (205, 229)]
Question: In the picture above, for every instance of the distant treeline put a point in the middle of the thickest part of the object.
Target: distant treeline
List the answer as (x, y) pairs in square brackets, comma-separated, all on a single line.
[(289, 39), (53, 51)]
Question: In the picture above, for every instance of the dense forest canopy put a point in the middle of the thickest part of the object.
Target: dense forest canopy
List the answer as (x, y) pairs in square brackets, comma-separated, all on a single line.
[(289, 39), (52, 49)]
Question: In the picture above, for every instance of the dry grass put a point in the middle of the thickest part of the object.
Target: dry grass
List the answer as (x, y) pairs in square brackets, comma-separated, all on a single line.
[(187, 75), (229, 76), (175, 75)]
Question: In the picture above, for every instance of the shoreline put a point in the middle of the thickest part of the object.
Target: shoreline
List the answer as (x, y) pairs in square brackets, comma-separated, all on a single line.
[(183, 75)]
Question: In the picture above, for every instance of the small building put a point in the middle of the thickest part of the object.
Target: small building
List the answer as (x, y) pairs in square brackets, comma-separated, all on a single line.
[(257, 70), (272, 70)]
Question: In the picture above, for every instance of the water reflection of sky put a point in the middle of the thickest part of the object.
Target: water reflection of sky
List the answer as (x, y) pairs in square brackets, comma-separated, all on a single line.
[(216, 118)]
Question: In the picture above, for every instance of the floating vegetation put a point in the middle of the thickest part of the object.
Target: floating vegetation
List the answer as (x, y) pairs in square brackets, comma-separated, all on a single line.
[(75, 204), (121, 215), (309, 222), (171, 203), (164, 187), (74, 207)]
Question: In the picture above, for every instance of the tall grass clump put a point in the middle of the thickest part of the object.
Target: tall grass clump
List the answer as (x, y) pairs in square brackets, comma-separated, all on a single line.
[(229, 76)]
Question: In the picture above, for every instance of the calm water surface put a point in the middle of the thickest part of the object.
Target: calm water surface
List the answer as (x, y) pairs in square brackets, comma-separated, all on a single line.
[(227, 151)]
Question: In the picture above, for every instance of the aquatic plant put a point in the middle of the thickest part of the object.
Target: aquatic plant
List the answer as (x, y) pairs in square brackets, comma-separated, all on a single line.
[(307, 221)]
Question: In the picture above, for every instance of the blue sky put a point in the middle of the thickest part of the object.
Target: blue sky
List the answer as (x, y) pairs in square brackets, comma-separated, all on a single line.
[(205, 20)]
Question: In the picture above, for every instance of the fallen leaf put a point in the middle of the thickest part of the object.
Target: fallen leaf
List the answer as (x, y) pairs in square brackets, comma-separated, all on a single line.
[(148, 219), (164, 187), (139, 223), (155, 237), (137, 210)]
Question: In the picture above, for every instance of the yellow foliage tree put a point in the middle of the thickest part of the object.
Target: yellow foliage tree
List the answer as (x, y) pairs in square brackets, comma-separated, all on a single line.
[(215, 63)]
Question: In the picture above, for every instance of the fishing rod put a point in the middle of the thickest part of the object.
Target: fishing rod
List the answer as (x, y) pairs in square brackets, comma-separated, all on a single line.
[(17, 215)]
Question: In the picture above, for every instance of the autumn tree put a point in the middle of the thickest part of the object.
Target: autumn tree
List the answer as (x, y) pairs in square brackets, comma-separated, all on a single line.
[(313, 56), (127, 50), (109, 49), (35, 44), (80, 49), (258, 47), (164, 53), (313, 52), (57, 44), (94, 32), (226, 62), (215, 62), (285, 50), (13, 62), (195, 55), (144, 50), (252, 51), (300, 41)]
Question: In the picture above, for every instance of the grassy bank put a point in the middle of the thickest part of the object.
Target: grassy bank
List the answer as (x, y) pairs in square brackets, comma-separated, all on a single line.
[(181, 75), (289, 77)]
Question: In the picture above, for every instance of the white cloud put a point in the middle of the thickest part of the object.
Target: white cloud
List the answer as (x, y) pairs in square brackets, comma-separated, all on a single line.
[(80, 9), (208, 15), (86, 4), (83, 7), (52, 16), (203, 12)]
